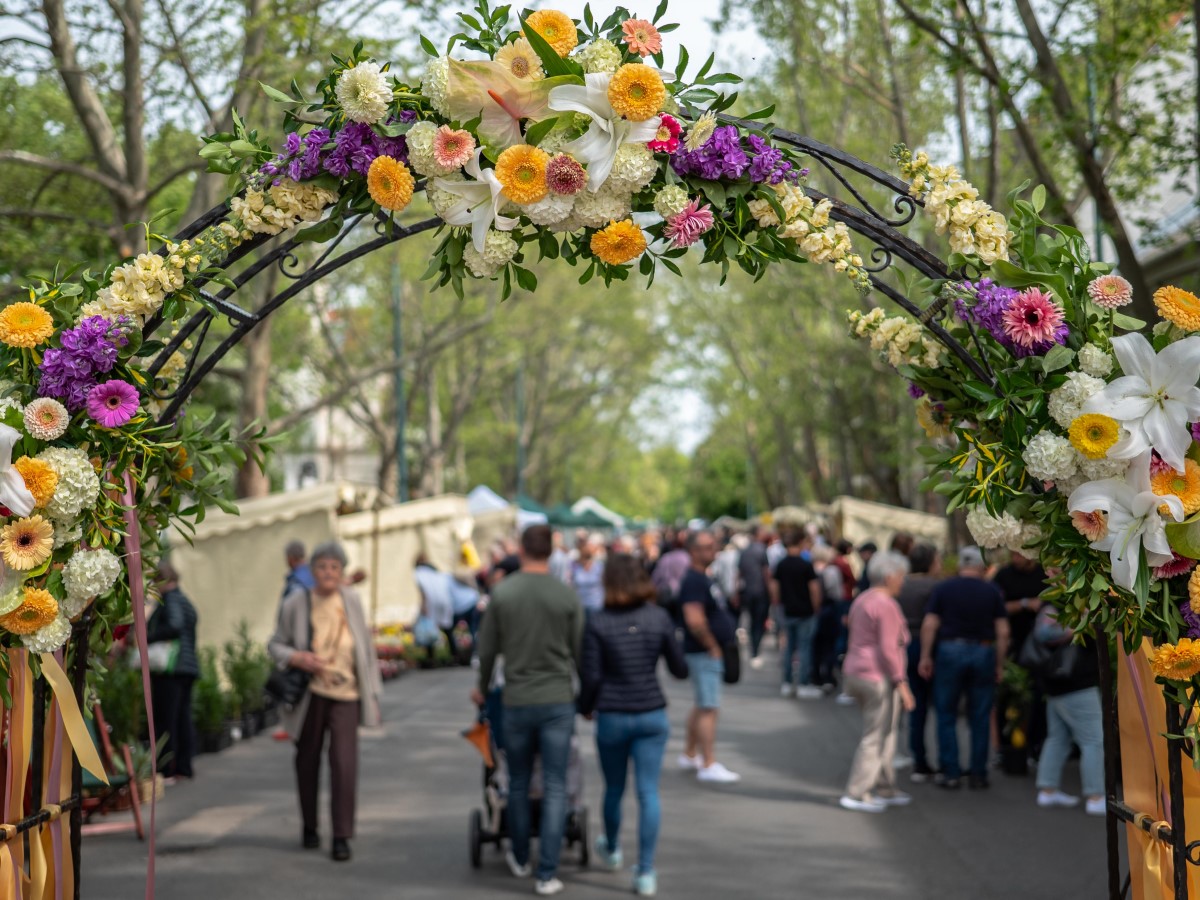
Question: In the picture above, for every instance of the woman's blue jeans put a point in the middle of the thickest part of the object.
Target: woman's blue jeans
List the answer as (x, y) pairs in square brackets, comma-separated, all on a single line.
[(641, 737)]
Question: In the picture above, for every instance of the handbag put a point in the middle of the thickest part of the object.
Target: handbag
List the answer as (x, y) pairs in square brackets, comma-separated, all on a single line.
[(425, 632), (162, 657), (287, 685), (733, 662), (1052, 662)]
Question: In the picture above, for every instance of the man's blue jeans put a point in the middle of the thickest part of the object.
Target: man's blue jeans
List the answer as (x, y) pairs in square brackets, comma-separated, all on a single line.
[(970, 668), (917, 718), (641, 737), (530, 731), (799, 633)]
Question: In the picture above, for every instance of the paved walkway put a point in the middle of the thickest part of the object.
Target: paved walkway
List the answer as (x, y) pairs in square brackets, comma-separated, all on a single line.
[(234, 831)]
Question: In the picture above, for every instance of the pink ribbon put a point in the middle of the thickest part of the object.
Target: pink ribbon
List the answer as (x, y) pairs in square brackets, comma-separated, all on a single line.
[(137, 595), (53, 783), (1136, 677)]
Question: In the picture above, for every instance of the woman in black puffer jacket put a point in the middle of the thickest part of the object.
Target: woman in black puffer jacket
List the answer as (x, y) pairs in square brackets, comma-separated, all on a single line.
[(621, 649)]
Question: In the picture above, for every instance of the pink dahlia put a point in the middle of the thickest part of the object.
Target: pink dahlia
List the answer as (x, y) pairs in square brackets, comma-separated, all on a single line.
[(1159, 466), (564, 175), (1179, 565), (641, 37), (1032, 318), (666, 140), (112, 403), (686, 226), (1110, 291), (453, 149)]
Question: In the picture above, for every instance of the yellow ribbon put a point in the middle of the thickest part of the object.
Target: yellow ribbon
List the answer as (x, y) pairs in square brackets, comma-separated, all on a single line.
[(77, 731)]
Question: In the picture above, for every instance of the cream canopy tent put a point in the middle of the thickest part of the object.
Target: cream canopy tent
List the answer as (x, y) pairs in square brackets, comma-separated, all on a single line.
[(859, 521)]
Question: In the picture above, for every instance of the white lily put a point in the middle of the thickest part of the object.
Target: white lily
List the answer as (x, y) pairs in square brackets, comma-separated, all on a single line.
[(1155, 399), (13, 492), (597, 147), (1134, 522), (479, 203)]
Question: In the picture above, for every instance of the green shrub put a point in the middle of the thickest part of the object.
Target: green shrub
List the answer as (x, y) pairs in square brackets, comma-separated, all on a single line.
[(210, 706), (247, 667)]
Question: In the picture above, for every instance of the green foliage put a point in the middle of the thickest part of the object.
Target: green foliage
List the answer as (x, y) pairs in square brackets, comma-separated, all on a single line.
[(121, 701), (210, 704), (247, 667)]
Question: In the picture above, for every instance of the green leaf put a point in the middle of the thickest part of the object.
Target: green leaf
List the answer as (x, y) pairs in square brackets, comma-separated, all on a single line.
[(321, 232), (277, 95), (1039, 197), (660, 12), (536, 132), (214, 151), (683, 61), (1184, 539), (704, 68), (551, 61), (715, 192), (1127, 323), (765, 112), (1059, 357), (526, 279)]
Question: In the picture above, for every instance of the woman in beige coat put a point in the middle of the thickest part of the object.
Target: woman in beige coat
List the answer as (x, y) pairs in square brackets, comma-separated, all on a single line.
[(323, 632)]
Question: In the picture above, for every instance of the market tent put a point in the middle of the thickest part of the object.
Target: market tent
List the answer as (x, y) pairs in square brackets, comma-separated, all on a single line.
[(483, 499), (528, 504), (585, 505)]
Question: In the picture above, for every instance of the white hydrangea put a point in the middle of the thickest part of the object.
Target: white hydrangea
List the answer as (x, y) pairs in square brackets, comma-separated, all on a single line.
[(421, 157), (1049, 457), (555, 141), (49, 638), (993, 531), (88, 574), (1030, 541), (1066, 402), (435, 83), (442, 200), (671, 200), (595, 210), (634, 167), (550, 210), (67, 535), (599, 56), (78, 485), (499, 248), (1099, 469), (1094, 361), (363, 93)]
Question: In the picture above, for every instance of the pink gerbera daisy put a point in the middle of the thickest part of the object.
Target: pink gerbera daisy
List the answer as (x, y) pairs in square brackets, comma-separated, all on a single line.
[(666, 139), (452, 148), (112, 403), (1179, 565), (686, 226), (1032, 318), (641, 37), (564, 175), (1110, 291)]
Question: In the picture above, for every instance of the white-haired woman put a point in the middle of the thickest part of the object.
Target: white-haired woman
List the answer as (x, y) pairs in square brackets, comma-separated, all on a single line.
[(876, 672)]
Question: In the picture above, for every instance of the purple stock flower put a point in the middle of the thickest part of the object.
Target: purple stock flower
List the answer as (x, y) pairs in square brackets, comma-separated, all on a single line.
[(1190, 619), (85, 352), (725, 156), (1196, 431), (915, 392)]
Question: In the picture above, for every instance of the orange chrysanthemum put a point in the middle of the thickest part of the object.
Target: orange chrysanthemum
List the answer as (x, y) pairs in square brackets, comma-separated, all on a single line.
[(25, 324), (39, 477), (1177, 662), (1185, 485), (26, 543), (521, 171), (556, 29), (36, 611), (618, 243), (1178, 306), (390, 183), (1194, 591), (636, 92)]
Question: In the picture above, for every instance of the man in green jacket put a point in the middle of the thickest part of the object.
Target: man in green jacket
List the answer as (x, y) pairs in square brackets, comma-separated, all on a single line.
[(536, 623)]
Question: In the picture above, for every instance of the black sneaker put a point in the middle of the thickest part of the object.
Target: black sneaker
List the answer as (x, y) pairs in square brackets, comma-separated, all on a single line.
[(921, 774), (341, 850), (310, 839), (978, 783), (950, 784)]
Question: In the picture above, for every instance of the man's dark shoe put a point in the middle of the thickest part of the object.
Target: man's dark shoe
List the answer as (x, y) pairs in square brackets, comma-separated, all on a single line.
[(943, 781), (978, 783), (311, 840), (921, 774), (341, 849)]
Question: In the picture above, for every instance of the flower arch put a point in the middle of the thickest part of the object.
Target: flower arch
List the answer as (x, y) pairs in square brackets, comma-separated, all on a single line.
[(534, 138)]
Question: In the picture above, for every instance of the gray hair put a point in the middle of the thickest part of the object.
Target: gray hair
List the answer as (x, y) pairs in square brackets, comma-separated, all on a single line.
[(329, 550), (294, 550), (884, 565)]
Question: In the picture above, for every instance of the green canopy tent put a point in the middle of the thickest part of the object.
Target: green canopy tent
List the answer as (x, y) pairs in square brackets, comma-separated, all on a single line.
[(560, 516), (528, 504)]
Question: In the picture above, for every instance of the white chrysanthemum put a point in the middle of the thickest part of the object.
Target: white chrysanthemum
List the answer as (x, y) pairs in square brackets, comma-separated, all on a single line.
[(78, 485), (499, 248), (420, 141), (993, 531), (49, 638), (671, 200), (90, 573), (46, 419), (435, 82), (550, 210), (599, 56), (595, 210), (1094, 361), (363, 93), (1066, 403), (1049, 457)]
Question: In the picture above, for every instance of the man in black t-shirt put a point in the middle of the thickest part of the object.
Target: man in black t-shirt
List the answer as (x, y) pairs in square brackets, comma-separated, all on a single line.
[(1021, 582), (797, 589), (709, 629)]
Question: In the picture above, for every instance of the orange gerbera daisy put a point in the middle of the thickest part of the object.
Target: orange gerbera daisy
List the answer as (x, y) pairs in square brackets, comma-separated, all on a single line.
[(641, 37), (1177, 662), (637, 92), (36, 611), (390, 183), (25, 324), (556, 29), (1179, 307), (1185, 485), (521, 171), (39, 477), (619, 242)]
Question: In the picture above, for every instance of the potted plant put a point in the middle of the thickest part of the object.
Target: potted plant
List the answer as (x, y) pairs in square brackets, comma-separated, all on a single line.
[(1014, 702), (247, 666), (149, 780), (209, 706)]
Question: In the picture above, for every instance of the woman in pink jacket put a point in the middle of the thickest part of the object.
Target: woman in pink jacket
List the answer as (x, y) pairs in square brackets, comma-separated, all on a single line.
[(876, 673)]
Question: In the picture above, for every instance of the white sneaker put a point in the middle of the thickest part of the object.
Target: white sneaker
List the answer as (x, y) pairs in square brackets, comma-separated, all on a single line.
[(1047, 799), (718, 774), (786, 690), (902, 762), (688, 763), (548, 888), (809, 692), (1096, 806), (756, 663), (844, 699), (866, 804), (895, 798), (520, 871)]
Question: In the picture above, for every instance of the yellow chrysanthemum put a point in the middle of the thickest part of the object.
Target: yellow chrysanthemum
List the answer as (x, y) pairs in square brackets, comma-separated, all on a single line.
[(1185, 485), (1178, 306), (1093, 434), (26, 543), (390, 183), (556, 29), (39, 477), (1194, 591), (36, 611), (619, 242), (637, 92), (25, 324), (1177, 662), (521, 171)]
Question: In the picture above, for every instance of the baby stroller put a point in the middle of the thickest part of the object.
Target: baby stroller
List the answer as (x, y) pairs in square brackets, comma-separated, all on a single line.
[(490, 824)]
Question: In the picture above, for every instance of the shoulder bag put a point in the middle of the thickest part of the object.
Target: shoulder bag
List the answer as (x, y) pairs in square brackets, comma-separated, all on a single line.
[(288, 685)]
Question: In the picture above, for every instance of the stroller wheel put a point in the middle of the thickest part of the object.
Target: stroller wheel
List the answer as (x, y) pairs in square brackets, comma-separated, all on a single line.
[(585, 846), (475, 839)]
